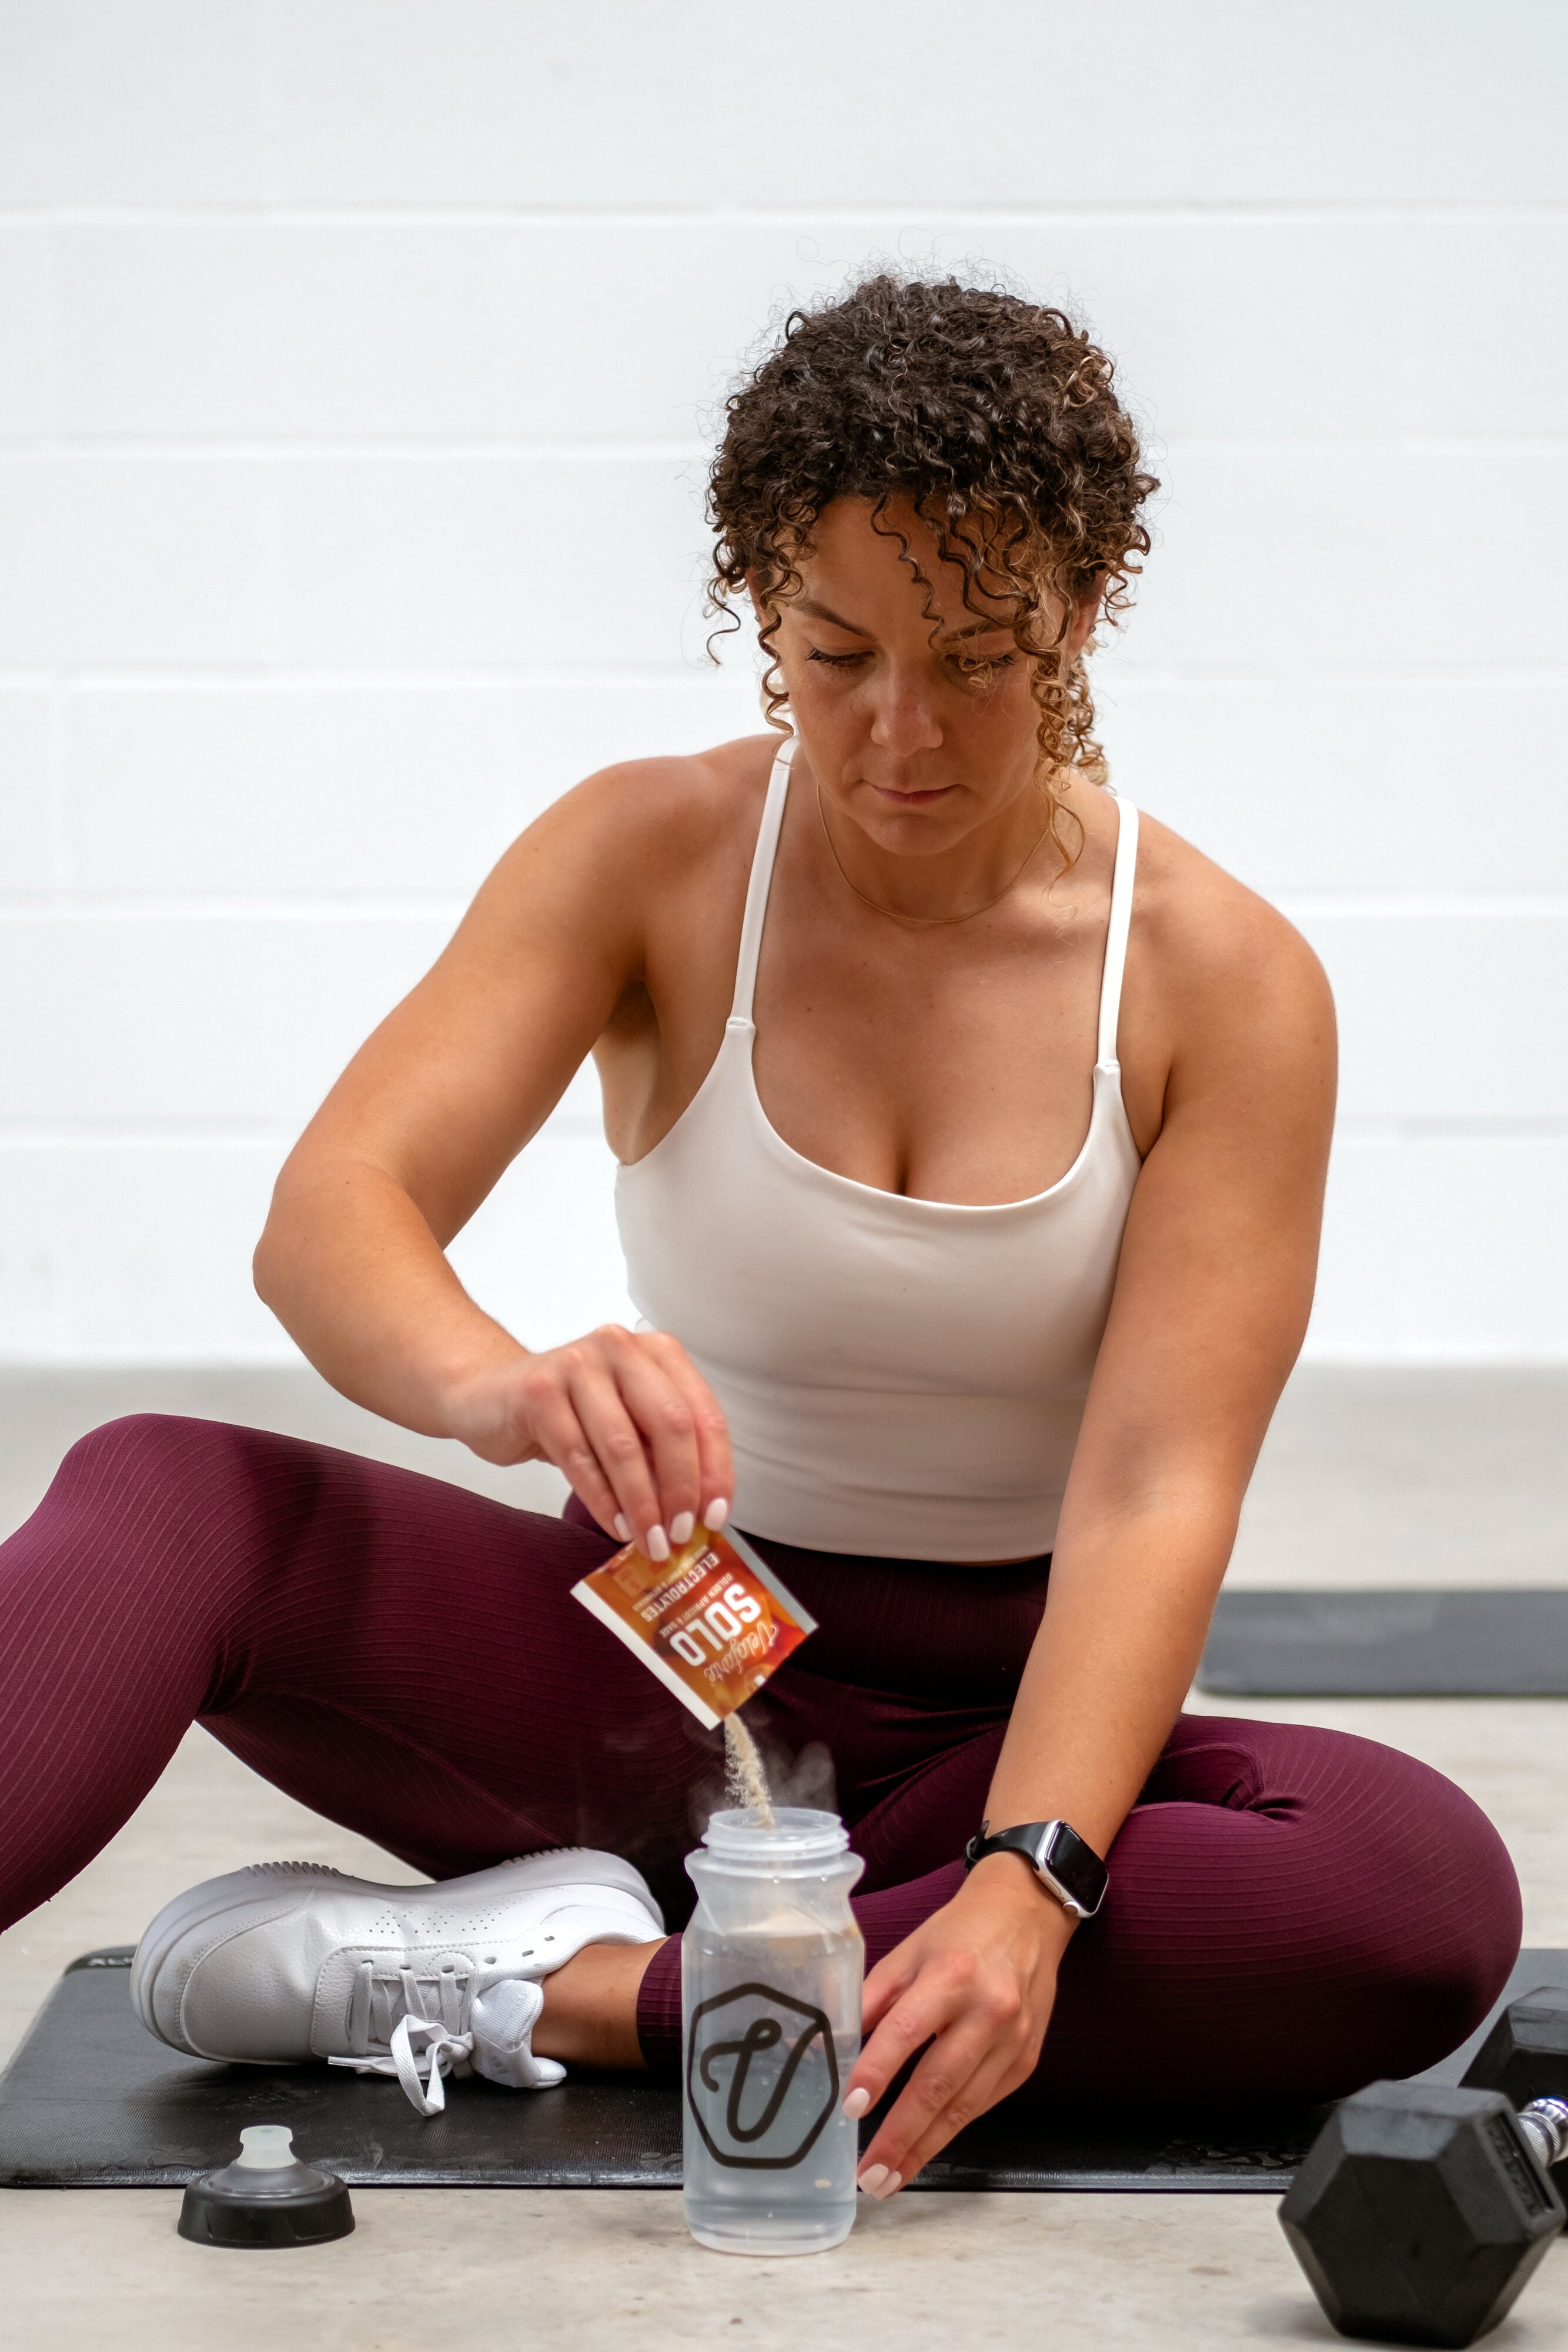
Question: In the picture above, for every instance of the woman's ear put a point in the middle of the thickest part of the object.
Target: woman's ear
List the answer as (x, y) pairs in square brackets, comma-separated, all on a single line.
[(1083, 620)]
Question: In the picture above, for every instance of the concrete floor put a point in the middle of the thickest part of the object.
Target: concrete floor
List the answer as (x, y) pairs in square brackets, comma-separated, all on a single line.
[(1369, 1478)]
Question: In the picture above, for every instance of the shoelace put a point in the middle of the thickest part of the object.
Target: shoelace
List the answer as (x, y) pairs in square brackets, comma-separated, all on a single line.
[(388, 2008)]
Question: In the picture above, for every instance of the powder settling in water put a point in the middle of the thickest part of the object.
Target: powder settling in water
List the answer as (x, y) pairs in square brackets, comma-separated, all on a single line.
[(744, 1778)]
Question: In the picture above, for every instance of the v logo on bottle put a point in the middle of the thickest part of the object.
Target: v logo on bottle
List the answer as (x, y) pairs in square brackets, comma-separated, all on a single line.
[(762, 2076)]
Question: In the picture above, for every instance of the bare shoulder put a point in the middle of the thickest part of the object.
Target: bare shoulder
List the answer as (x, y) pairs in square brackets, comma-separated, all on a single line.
[(643, 823), (1223, 959), (1226, 1007)]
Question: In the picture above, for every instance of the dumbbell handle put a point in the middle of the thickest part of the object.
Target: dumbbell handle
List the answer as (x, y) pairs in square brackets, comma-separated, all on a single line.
[(1545, 2124)]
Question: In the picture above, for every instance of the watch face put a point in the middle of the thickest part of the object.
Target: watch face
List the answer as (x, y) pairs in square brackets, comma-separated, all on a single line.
[(1073, 1865)]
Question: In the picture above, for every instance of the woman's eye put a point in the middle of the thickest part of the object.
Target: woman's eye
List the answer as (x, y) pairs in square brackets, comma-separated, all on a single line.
[(968, 666)]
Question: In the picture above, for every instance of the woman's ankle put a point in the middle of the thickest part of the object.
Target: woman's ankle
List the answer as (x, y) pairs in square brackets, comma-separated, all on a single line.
[(590, 2016)]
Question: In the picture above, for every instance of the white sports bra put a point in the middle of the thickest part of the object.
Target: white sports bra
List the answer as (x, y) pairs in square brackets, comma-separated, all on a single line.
[(902, 1377)]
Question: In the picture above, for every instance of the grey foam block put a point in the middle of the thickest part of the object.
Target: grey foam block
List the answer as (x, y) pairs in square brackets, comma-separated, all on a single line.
[(1450, 1644)]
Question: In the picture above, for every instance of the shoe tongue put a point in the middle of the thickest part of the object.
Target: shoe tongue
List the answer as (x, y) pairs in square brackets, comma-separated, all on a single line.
[(505, 2013), (503, 2019)]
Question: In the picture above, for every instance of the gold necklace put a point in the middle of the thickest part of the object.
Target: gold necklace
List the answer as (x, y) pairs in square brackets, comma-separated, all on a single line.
[(920, 922)]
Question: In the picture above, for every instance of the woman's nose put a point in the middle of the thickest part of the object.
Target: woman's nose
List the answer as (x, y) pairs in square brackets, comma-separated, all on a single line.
[(904, 723)]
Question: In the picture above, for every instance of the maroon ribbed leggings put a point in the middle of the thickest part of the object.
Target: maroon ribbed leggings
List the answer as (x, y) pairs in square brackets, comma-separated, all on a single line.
[(1289, 1910)]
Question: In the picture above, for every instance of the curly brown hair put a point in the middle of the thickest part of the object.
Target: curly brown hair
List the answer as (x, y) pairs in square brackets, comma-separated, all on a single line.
[(995, 418)]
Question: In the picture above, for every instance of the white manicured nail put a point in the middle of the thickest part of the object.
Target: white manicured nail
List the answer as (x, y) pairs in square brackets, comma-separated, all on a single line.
[(871, 2178), (894, 2180), (622, 1527), (717, 1512), (681, 1526), (656, 1543), (856, 2104)]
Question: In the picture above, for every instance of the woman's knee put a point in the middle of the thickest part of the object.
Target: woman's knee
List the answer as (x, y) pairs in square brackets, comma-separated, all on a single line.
[(1381, 1913), (160, 1454), (152, 1494), (1431, 1916)]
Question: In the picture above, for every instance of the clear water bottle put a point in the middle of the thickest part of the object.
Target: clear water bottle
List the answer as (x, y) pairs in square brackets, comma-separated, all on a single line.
[(771, 1968)]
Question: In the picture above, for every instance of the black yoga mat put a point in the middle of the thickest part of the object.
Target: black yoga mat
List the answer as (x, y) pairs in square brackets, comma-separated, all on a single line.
[(91, 2101), (1499, 1645)]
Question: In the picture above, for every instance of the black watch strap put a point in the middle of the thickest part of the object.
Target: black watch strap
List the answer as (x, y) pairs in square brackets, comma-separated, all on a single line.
[(1060, 1858)]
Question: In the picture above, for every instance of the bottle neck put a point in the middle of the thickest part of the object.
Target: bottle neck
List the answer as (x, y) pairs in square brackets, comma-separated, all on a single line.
[(799, 1841)]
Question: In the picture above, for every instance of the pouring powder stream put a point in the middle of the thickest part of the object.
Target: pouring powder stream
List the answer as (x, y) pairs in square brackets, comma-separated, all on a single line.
[(744, 1778)]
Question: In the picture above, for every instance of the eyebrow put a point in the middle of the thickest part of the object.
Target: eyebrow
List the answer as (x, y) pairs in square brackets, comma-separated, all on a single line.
[(816, 612)]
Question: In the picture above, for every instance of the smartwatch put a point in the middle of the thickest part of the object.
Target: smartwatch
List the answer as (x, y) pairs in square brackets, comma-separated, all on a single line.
[(1065, 1865)]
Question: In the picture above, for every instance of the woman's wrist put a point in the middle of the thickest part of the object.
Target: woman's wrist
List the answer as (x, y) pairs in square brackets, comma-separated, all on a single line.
[(473, 1387), (1006, 1881)]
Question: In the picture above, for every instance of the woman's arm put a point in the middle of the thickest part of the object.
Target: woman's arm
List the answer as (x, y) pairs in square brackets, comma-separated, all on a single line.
[(424, 1120), (1212, 1295)]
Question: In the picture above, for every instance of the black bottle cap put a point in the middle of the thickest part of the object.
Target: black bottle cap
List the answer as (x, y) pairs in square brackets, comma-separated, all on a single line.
[(266, 2198)]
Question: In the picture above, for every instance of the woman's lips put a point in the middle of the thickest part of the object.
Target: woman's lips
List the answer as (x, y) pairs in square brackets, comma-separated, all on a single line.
[(912, 799)]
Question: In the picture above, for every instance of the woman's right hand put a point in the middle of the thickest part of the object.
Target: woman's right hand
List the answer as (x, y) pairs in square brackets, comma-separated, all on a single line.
[(625, 1416)]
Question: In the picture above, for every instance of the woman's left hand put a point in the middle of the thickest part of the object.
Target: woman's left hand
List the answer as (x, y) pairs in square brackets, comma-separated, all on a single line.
[(976, 1980)]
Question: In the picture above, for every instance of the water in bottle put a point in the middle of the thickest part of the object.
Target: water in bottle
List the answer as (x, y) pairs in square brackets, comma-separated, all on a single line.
[(771, 1970)]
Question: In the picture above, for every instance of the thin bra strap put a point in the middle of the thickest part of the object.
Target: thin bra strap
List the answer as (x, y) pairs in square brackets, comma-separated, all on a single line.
[(757, 889), (1122, 877)]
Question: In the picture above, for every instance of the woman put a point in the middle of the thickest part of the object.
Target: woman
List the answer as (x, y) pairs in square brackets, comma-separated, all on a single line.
[(972, 1141)]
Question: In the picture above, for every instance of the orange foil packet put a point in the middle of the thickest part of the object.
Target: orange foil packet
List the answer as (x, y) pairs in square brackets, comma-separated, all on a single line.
[(713, 1622)]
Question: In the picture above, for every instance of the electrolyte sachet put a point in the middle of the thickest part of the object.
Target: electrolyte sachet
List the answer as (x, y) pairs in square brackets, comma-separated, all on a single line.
[(712, 1622)]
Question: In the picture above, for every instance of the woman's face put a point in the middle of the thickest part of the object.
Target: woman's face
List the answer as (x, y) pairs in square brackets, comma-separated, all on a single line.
[(919, 730)]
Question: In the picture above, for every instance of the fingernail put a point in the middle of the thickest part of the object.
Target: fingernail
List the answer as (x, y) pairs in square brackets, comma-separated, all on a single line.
[(622, 1527), (656, 1543), (681, 1526), (717, 1512), (871, 2178), (856, 2104), (894, 2182)]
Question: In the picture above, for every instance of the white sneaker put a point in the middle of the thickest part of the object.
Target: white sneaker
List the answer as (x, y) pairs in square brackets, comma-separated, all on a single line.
[(291, 1961)]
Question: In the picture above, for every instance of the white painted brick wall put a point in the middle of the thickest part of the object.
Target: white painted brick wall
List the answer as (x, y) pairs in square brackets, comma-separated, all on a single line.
[(343, 343)]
